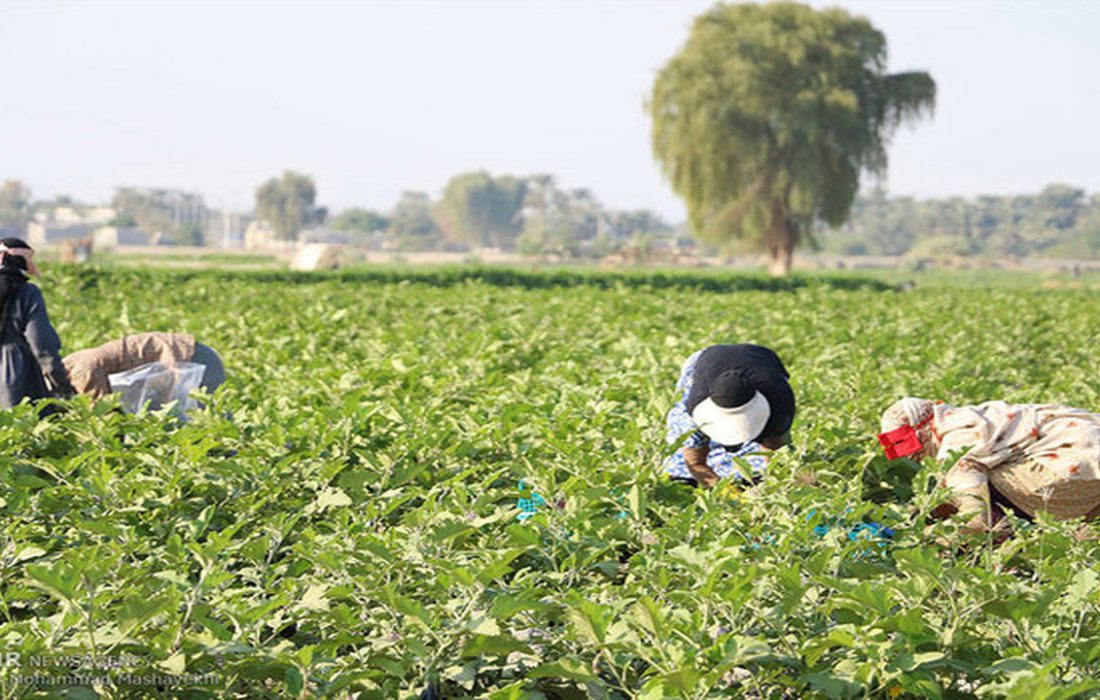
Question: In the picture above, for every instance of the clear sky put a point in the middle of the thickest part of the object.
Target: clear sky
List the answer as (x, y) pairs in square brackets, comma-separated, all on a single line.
[(374, 97)]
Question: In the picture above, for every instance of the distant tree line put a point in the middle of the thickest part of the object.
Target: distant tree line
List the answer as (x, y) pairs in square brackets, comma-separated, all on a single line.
[(178, 217), (533, 214), (529, 214), (174, 215), (1061, 221), (476, 210)]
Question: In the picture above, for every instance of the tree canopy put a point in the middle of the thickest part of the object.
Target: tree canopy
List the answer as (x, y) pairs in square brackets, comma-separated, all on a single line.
[(480, 210), (288, 204), (765, 119), (411, 222), (360, 221), (558, 221)]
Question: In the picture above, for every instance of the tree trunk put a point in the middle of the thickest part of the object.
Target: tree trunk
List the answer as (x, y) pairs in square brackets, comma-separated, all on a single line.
[(781, 254), (780, 262), (781, 239)]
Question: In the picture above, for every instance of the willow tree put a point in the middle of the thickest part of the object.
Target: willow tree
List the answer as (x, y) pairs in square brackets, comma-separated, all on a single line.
[(765, 119)]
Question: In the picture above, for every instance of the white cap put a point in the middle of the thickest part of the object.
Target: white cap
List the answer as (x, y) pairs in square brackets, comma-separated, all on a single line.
[(735, 425)]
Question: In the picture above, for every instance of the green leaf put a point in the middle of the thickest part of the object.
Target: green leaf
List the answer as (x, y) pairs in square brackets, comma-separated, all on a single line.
[(1085, 587), (29, 553), (692, 558), (516, 691), (60, 582), (831, 686), (482, 645), (590, 621), (314, 598), (648, 615), (136, 611), (485, 625), (506, 606), (294, 680), (175, 664), (563, 668), (683, 680), (331, 498)]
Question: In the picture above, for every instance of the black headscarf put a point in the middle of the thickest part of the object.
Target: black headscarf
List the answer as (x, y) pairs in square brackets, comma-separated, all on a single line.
[(13, 275)]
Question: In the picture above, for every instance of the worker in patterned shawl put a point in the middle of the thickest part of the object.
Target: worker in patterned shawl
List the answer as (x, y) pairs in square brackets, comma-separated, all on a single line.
[(735, 403), (89, 369), (1023, 457)]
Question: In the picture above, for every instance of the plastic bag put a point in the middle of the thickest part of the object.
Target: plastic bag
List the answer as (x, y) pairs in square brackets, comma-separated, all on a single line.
[(155, 384)]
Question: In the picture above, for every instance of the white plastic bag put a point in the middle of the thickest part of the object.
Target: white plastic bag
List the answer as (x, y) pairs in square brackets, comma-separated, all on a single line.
[(155, 384)]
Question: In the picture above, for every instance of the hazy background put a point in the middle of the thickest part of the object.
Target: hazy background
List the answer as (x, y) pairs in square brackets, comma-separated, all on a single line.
[(371, 98)]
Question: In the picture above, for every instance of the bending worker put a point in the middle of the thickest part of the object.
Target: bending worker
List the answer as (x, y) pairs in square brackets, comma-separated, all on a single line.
[(735, 401), (88, 369), (1023, 457)]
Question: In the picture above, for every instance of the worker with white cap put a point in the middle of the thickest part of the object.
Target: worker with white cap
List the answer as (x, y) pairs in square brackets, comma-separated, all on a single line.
[(735, 402)]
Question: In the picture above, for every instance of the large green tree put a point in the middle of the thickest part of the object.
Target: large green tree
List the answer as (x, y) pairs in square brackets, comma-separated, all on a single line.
[(481, 210), (288, 204), (766, 118)]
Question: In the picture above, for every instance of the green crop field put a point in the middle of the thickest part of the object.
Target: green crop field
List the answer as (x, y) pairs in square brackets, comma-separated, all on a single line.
[(342, 523)]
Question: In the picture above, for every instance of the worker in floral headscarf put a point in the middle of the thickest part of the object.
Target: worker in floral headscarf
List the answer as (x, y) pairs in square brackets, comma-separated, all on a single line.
[(1028, 457)]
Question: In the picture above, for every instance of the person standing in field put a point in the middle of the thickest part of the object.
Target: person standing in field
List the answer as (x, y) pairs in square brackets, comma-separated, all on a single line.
[(735, 402), (30, 360), (89, 369), (1023, 457)]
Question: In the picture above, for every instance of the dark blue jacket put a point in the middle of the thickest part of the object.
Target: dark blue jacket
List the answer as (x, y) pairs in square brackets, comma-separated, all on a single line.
[(30, 359)]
